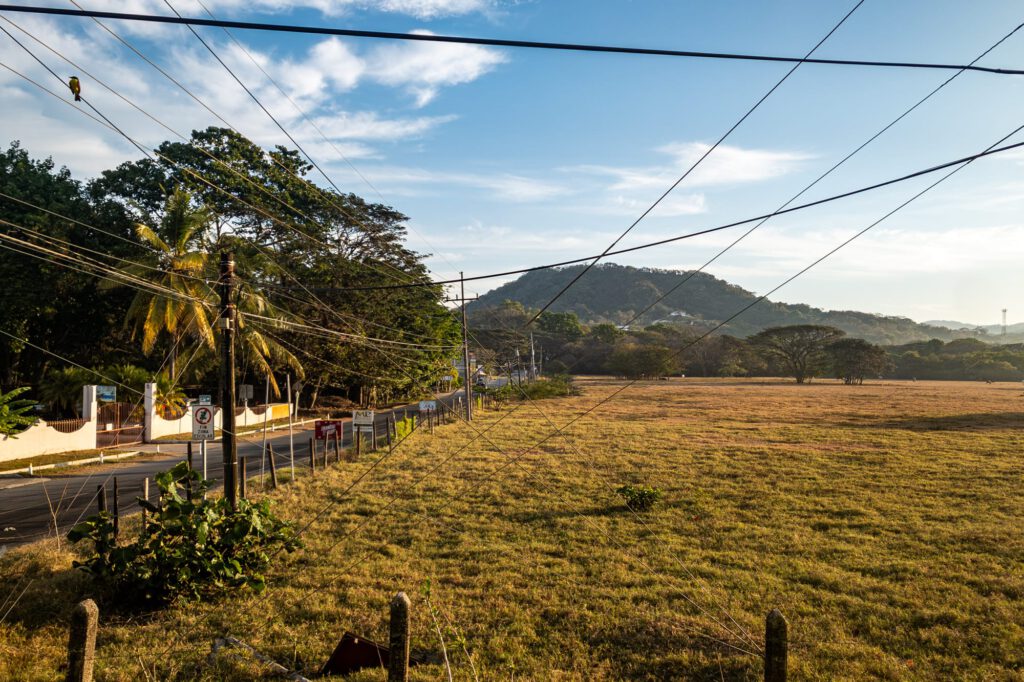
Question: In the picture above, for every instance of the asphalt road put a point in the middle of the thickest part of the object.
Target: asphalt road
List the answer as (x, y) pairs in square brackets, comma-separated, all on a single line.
[(34, 508)]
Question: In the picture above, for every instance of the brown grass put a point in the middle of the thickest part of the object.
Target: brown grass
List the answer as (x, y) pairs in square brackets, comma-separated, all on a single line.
[(884, 520)]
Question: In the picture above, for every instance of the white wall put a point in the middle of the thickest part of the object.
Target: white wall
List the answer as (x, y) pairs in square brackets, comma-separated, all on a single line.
[(158, 427), (46, 440)]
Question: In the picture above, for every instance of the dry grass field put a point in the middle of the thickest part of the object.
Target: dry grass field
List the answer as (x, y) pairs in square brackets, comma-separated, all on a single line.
[(884, 520)]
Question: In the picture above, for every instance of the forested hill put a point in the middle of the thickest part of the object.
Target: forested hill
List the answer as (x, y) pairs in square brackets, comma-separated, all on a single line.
[(614, 293)]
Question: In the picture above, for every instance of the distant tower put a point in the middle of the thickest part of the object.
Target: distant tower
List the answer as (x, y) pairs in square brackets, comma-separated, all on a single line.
[(1004, 321)]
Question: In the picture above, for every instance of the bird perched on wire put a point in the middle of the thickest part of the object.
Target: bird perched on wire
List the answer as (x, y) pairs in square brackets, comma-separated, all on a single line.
[(76, 88)]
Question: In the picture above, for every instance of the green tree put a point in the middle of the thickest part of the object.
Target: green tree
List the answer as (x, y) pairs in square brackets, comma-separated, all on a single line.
[(853, 360), (635, 361), (799, 348)]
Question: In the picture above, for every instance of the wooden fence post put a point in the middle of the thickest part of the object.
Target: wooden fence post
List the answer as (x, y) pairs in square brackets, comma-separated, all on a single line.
[(357, 439), (325, 454), (776, 647), (101, 498), (398, 660), (117, 511), (241, 477), (145, 496), (373, 437), (273, 467), (337, 446), (312, 456), (82, 641), (188, 481)]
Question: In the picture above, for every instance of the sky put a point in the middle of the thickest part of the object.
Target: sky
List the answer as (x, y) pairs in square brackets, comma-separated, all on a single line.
[(505, 158)]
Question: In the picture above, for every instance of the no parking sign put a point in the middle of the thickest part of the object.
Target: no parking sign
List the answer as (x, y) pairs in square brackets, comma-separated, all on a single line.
[(202, 422)]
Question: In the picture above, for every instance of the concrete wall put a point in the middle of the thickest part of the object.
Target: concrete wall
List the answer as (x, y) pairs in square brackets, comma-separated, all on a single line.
[(158, 427), (42, 439)]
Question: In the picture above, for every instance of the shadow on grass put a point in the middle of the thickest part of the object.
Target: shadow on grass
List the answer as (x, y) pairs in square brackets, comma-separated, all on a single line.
[(981, 421), (654, 650), (551, 514)]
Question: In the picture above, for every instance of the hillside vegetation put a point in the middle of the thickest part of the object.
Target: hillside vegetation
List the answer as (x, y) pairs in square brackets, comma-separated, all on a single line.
[(615, 293)]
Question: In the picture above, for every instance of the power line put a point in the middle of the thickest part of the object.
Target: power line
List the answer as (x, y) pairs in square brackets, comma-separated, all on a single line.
[(496, 42), (690, 275), (692, 168), (689, 235)]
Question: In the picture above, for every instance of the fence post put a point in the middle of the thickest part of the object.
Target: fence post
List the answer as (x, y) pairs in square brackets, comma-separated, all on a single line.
[(312, 456), (145, 496), (241, 477), (357, 438), (273, 467), (337, 446), (82, 641), (776, 647), (373, 437), (117, 510), (188, 481), (398, 661), (101, 498)]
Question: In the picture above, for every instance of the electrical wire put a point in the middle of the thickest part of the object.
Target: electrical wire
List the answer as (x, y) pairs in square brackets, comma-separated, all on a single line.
[(710, 150), (495, 42)]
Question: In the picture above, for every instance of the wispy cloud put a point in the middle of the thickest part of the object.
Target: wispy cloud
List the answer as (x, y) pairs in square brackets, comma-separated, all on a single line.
[(726, 165)]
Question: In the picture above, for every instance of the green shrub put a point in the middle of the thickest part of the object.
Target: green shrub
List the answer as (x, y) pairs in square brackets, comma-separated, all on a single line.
[(639, 497), (190, 548), (404, 427)]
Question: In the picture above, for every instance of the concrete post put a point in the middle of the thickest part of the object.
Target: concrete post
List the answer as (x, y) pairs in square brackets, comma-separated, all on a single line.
[(398, 661), (82, 642), (149, 413), (90, 411), (776, 647)]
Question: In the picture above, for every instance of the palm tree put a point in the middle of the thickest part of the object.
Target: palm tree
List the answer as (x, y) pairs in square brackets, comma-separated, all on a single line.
[(176, 264)]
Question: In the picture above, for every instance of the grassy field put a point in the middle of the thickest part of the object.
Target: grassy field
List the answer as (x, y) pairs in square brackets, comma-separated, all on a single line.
[(884, 520)]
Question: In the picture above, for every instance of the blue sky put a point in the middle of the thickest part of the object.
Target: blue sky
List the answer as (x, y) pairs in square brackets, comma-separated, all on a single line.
[(507, 158)]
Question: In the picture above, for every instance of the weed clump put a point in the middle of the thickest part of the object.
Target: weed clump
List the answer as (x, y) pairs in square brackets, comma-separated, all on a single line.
[(190, 548), (640, 497)]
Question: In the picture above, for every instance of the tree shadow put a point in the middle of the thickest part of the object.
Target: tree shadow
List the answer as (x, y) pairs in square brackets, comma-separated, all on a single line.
[(979, 421)]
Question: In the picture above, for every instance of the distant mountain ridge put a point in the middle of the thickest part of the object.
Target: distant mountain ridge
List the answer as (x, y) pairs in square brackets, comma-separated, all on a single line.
[(615, 293), (1016, 328)]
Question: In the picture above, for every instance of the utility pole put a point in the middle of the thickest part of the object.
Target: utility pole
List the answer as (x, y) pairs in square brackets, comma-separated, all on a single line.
[(226, 323), (466, 379), (533, 360)]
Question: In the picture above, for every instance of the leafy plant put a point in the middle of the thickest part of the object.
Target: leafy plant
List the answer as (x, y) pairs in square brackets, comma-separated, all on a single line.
[(639, 497), (171, 401), (190, 548), (13, 417), (404, 427)]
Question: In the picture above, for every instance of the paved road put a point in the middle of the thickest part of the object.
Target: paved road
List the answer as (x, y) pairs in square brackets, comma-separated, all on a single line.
[(30, 509)]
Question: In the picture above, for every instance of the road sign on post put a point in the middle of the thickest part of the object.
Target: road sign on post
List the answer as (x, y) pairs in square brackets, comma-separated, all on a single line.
[(106, 394), (428, 406), (202, 422), (324, 429), (245, 391), (362, 420)]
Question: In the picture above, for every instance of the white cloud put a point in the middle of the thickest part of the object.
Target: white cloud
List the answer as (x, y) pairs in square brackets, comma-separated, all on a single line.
[(726, 165), (423, 68), (423, 9)]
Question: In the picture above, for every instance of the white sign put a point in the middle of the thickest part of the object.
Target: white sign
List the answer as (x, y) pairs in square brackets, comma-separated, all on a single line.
[(428, 406), (205, 400), (362, 417), (202, 423)]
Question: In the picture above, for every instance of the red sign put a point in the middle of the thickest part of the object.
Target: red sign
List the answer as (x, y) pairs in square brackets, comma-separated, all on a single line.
[(325, 430)]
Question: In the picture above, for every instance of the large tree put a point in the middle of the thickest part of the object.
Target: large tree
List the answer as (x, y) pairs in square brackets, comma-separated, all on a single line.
[(853, 360), (800, 349)]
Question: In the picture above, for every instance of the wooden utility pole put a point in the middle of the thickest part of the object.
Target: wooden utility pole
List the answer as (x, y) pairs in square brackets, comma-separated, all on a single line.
[(467, 380), (226, 324)]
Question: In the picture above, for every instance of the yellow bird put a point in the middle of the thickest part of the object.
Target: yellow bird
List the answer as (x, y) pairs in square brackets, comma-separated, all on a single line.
[(76, 88)]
